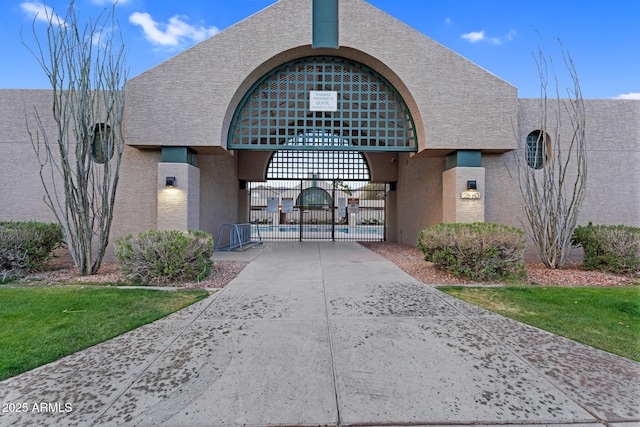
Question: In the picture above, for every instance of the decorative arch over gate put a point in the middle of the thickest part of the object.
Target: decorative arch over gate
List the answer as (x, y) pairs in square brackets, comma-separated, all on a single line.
[(362, 108)]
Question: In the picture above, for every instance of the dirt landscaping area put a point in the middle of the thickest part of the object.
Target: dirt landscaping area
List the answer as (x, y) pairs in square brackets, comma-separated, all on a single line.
[(411, 260), (408, 258), (61, 269)]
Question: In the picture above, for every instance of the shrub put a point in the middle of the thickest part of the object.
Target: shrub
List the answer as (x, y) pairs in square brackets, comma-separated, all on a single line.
[(480, 251), (164, 256), (614, 248), (26, 246)]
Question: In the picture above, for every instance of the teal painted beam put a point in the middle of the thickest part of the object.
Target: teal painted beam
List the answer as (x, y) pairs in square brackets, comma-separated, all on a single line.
[(178, 155), (463, 158), (274, 147)]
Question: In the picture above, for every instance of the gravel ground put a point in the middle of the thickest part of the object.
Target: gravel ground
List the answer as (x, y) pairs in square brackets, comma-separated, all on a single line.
[(61, 271), (406, 257), (410, 259)]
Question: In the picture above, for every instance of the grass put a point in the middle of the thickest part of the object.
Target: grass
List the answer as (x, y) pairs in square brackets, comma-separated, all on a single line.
[(43, 324), (604, 318)]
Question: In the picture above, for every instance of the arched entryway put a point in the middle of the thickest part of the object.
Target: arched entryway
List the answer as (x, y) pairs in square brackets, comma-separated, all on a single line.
[(318, 115)]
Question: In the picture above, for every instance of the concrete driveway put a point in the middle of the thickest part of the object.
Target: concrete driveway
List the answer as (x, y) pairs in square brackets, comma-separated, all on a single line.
[(320, 333)]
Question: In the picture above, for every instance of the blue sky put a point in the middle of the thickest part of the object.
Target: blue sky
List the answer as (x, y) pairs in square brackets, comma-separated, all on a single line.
[(501, 36)]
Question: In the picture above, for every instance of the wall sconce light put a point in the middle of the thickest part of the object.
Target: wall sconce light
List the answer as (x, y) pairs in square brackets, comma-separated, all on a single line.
[(171, 181), (471, 192)]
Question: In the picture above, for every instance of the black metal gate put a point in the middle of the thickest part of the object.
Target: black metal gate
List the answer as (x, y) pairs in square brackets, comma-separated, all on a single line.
[(315, 209)]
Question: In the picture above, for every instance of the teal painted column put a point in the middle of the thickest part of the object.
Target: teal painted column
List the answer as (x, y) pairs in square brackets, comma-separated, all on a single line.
[(325, 24)]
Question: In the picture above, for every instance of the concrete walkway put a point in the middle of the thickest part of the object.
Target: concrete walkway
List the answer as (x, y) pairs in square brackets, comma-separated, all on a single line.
[(328, 334)]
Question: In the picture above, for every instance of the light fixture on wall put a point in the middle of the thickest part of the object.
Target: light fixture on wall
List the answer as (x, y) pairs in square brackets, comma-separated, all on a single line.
[(171, 181), (472, 191)]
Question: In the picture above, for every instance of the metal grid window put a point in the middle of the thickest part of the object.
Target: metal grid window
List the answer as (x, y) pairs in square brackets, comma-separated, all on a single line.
[(325, 165), (318, 164), (537, 150), (103, 143), (370, 114)]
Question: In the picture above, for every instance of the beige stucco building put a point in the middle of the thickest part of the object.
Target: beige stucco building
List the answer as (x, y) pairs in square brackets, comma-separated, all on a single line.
[(425, 120)]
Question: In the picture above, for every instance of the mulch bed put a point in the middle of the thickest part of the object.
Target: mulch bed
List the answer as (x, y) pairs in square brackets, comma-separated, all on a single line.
[(408, 258), (61, 270), (411, 260)]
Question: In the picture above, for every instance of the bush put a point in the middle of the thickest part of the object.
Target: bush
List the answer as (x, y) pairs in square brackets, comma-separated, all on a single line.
[(480, 251), (164, 256), (26, 246), (614, 248)]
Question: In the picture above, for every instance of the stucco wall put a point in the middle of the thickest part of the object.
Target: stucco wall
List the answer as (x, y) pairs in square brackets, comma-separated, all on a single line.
[(219, 192), (22, 192), (252, 165), (382, 166), (136, 198), (502, 197), (613, 155), (419, 195)]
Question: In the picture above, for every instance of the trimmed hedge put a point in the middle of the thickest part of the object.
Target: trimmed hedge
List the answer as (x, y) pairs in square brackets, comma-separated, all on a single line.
[(165, 256), (479, 251), (25, 247), (614, 248)]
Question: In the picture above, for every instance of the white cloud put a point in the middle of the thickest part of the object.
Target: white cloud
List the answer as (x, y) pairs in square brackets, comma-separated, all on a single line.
[(630, 95), (474, 36), (174, 33), (102, 38), (40, 12), (477, 36)]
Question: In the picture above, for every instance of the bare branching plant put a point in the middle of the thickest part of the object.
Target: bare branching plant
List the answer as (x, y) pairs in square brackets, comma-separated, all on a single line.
[(552, 165), (80, 156)]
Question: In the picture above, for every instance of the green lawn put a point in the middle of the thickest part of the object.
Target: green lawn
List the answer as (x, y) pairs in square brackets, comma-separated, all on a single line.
[(605, 318), (43, 324)]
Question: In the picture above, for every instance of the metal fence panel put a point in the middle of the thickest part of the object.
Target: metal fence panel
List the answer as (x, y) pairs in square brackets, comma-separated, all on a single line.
[(318, 210)]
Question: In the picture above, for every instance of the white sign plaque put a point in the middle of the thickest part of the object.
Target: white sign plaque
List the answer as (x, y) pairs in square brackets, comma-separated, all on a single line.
[(287, 204), (353, 205), (323, 100), (273, 204), (342, 207)]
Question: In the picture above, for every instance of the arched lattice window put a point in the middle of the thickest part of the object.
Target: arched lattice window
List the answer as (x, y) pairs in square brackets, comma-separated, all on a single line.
[(318, 164), (537, 149), (327, 94)]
